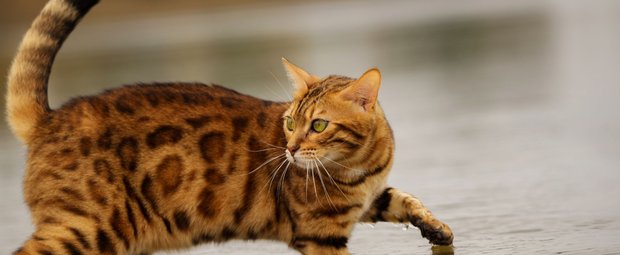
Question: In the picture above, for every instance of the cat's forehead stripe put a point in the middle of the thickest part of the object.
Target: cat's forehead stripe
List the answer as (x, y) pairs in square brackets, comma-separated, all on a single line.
[(330, 84)]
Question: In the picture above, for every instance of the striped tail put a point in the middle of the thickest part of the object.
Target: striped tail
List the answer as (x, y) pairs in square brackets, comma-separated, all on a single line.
[(27, 102)]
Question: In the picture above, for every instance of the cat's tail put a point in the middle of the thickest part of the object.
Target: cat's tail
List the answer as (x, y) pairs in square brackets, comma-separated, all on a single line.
[(27, 102)]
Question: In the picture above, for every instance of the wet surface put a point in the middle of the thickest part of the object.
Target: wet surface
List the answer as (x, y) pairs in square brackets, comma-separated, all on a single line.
[(498, 136)]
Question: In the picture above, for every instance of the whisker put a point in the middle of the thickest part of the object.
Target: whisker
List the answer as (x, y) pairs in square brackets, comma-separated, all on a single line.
[(348, 162), (273, 92), (261, 150), (339, 164), (267, 162), (348, 167), (329, 199), (281, 184), (316, 193), (307, 176), (273, 174), (274, 146), (332, 178), (286, 91)]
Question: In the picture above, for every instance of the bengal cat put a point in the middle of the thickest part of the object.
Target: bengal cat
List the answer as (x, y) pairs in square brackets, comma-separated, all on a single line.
[(162, 166)]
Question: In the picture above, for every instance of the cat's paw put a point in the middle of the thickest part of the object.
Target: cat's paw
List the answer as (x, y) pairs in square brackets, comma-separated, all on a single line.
[(438, 233)]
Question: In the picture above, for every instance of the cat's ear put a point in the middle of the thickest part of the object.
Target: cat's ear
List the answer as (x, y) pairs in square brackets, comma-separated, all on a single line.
[(299, 78), (364, 90)]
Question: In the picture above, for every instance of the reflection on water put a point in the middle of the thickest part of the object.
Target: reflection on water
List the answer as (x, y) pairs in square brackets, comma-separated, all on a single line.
[(442, 250), (495, 130)]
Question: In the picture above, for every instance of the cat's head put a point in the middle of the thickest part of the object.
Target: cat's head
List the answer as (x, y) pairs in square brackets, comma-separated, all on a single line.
[(335, 120)]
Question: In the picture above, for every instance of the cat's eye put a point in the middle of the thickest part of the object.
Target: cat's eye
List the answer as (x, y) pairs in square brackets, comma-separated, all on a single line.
[(290, 124), (319, 125)]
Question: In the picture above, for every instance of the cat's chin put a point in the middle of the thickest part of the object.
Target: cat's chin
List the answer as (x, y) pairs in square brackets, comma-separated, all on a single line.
[(302, 163), (312, 163)]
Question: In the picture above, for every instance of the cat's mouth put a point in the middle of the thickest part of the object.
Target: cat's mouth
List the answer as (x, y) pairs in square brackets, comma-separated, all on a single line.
[(302, 159), (297, 159), (310, 159), (289, 156)]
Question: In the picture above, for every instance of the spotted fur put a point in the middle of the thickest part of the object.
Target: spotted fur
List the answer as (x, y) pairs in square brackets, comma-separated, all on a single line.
[(162, 166)]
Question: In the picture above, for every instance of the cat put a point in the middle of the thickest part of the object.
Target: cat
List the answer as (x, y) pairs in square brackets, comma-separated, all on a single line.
[(160, 166)]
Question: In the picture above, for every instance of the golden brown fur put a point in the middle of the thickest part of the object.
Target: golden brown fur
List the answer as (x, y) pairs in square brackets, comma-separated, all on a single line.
[(160, 166)]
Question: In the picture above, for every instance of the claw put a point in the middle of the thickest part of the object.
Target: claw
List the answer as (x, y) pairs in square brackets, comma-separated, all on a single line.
[(441, 235)]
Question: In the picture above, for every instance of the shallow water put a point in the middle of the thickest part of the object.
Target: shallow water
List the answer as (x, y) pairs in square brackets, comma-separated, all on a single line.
[(515, 143)]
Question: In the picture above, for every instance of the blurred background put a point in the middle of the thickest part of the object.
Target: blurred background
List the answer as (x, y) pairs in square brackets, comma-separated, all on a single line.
[(506, 113)]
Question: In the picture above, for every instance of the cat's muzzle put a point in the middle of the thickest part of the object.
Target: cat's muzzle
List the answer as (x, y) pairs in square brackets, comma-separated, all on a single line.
[(289, 156)]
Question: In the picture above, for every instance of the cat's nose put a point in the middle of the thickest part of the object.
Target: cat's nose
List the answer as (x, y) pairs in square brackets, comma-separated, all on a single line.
[(293, 148)]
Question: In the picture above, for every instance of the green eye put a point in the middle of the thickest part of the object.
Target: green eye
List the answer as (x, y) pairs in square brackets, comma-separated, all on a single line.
[(290, 125), (319, 125)]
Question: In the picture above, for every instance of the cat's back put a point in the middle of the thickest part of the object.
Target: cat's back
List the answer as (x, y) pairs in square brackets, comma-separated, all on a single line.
[(138, 109), (141, 130)]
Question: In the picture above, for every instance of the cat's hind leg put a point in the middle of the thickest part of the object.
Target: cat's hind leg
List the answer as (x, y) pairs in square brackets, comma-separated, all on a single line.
[(396, 206)]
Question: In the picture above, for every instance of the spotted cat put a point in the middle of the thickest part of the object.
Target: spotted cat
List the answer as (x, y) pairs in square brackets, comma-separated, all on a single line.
[(160, 166)]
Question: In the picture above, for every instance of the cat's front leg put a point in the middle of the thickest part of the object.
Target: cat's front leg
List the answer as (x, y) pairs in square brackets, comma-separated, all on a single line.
[(322, 236), (321, 245), (396, 206)]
